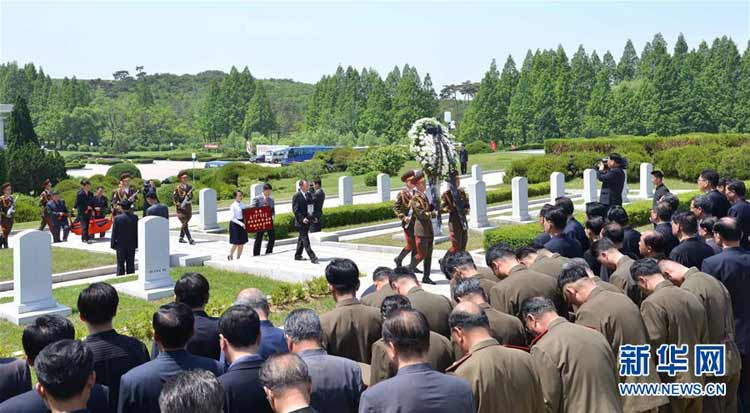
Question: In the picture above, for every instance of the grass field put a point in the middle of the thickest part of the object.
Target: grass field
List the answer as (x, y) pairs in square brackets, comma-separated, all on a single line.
[(475, 241), (63, 260), (134, 315)]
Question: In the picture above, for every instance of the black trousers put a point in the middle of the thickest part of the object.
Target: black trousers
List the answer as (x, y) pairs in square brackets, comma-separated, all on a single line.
[(259, 241), (125, 261), (58, 226), (463, 168), (84, 220), (303, 242)]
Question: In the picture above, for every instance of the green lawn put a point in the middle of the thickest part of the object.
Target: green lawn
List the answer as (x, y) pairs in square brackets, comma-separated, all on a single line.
[(134, 315), (475, 241), (63, 260)]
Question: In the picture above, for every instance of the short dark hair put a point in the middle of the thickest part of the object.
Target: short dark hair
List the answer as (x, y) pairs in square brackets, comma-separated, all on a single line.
[(710, 176), (571, 273), (671, 200), (173, 324), (98, 303), (601, 245), (687, 222), (267, 186), (614, 232), (152, 195), (524, 252), (316, 180), (727, 229), (738, 187), (401, 272), (596, 209), (99, 187), (644, 267), (708, 224), (703, 202), (283, 370), (234, 193), (663, 211), (595, 224), (408, 331), (457, 260), (724, 181), (543, 210), (343, 275), (657, 173), (557, 218), (43, 331), (63, 368), (618, 214), (85, 182), (467, 286), (303, 324), (468, 321), (393, 303), (381, 273), (501, 251), (566, 204), (240, 325), (537, 306), (192, 391), (192, 290), (656, 241)]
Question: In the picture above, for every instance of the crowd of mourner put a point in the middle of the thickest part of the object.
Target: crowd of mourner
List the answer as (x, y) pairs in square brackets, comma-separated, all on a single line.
[(540, 328)]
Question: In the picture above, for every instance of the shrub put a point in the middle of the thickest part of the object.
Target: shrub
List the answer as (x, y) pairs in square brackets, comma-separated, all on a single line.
[(735, 162), (338, 216), (506, 194), (338, 159), (143, 160), (308, 169), (538, 169), (74, 165), (107, 161), (666, 161), (116, 170), (650, 144), (693, 160), (371, 178), (478, 147), (386, 159), (27, 208), (317, 287), (360, 166)]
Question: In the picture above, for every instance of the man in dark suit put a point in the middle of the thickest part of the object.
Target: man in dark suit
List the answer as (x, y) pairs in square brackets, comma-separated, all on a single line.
[(612, 178), (701, 207), (302, 207), (732, 267), (140, 387), (192, 391), (692, 250), (83, 206), (573, 228), (272, 339), (657, 178), (114, 354), (154, 208), (45, 330), (631, 237), (463, 159), (287, 383), (418, 386), (65, 374), (149, 187), (240, 337), (260, 201), (707, 182), (319, 197), (15, 378), (125, 238), (740, 210), (337, 381), (555, 221), (662, 219), (58, 215), (544, 237)]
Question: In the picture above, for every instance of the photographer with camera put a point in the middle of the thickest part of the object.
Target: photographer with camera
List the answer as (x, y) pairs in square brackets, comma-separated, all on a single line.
[(612, 175)]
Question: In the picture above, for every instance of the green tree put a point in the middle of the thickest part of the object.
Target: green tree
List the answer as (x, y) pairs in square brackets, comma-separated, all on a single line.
[(20, 128), (214, 121), (599, 107), (260, 117), (719, 81), (742, 103), (628, 64), (626, 117), (376, 116), (408, 104), (545, 123), (483, 119), (581, 83), (608, 63), (520, 111)]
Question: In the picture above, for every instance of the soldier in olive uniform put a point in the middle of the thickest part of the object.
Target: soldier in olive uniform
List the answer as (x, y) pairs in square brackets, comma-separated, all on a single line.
[(618, 319), (456, 205), (720, 324), (575, 364), (403, 212), (500, 377), (44, 197), (672, 316), (460, 266), (423, 232), (7, 211), (542, 260), (382, 285), (439, 355), (349, 329), (505, 328), (123, 193), (435, 307), (182, 198), (610, 257)]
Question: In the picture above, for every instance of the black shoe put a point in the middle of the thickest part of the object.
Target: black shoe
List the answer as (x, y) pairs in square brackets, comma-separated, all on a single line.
[(191, 242), (182, 241), (417, 271), (300, 259), (314, 260), (427, 280), (397, 262)]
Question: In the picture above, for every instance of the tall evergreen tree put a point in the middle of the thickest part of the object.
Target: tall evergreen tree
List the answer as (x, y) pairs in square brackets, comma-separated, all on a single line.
[(259, 116), (482, 120), (213, 119), (520, 111), (626, 117), (20, 127), (505, 87), (742, 102), (662, 118), (719, 81), (628, 64), (392, 81), (429, 98), (407, 106), (544, 123), (582, 82), (376, 116), (599, 107), (608, 64)]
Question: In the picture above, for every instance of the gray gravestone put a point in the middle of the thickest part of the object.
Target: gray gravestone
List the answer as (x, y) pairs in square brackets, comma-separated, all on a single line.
[(589, 186), (647, 187), (384, 188), (346, 197), (478, 205), (255, 190), (556, 186), (520, 195), (153, 280), (32, 280), (625, 189), (476, 172), (207, 219)]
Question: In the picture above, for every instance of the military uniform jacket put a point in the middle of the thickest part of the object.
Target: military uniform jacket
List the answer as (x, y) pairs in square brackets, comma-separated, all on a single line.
[(606, 286), (376, 299), (622, 279), (552, 265), (501, 378), (423, 214), (448, 205), (5, 204), (178, 196), (350, 329), (675, 316), (440, 357), (619, 320), (44, 198), (121, 194), (522, 283), (435, 307), (576, 368), (505, 328), (401, 208)]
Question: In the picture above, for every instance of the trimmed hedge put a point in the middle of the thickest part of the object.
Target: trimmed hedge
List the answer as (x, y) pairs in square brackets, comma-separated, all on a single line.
[(339, 216), (478, 147), (506, 194), (650, 145), (518, 236), (116, 170)]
